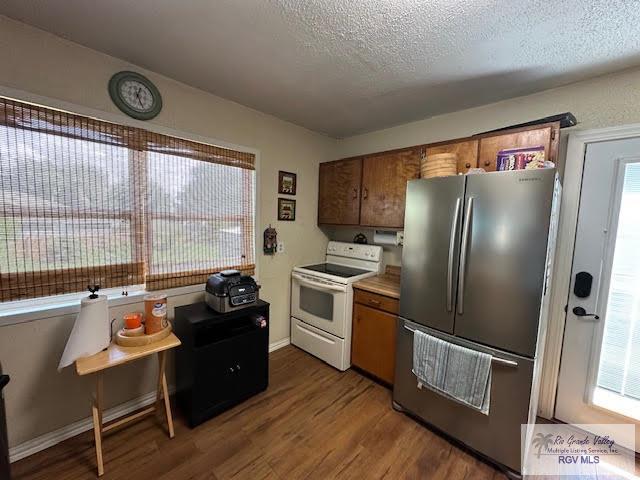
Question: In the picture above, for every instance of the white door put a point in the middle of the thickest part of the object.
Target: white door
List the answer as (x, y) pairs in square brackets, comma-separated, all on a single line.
[(599, 380)]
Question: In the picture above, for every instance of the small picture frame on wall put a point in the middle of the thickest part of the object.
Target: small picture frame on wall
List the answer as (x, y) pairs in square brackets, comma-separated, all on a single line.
[(287, 183), (286, 209)]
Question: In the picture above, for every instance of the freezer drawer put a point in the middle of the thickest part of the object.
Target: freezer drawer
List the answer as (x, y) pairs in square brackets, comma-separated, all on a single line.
[(433, 218), (496, 435), (503, 258)]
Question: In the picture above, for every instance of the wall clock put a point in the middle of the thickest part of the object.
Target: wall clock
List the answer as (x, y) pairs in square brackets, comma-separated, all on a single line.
[(135, 95)]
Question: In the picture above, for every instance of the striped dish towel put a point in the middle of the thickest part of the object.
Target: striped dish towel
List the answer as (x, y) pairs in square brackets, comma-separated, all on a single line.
[(456, 372)]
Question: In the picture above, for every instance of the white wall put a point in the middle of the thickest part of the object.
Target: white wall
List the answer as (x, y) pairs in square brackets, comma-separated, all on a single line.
[(38, 399), (391, 254), (600, 102)]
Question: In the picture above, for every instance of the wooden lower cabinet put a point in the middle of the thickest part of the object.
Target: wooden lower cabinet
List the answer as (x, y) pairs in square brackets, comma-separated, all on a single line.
[(373, 347)]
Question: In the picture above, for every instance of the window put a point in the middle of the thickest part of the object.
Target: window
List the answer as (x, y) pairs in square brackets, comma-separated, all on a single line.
[(200, 211), (619, 369), (84, 201)]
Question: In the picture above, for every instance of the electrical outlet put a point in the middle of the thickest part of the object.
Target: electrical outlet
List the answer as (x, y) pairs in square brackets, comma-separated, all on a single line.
[(281, 247)]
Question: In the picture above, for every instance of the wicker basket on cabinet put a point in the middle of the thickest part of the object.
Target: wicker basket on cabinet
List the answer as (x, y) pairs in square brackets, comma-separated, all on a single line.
[(439, 165)]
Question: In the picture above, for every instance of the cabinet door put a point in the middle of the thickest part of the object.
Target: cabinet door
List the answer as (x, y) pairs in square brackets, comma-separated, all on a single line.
[(467, 151), (384, 186), (546, 135), (230, 370), (373, 347), (339, 192)]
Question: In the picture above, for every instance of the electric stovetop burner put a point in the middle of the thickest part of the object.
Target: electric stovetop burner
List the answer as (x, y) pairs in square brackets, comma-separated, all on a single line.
[(337, 270)]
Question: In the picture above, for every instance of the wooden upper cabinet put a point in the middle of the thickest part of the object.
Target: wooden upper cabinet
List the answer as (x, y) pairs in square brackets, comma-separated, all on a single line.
[(384, 186), (467, 151), (370, 190), (339, 192), (546, 135)]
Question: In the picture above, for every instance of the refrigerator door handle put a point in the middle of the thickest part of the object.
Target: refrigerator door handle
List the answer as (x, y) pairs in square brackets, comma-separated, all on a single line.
[(501, 361), (452, 246), (463, 254)]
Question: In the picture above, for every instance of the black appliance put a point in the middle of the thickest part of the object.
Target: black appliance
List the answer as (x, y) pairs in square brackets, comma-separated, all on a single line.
[(5, 473), (223, 359), (229, 290), (566, 120)]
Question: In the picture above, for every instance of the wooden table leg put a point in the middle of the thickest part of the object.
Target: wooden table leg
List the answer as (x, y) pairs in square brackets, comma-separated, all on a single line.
[(96, 410), (160, 373), (162, 385)]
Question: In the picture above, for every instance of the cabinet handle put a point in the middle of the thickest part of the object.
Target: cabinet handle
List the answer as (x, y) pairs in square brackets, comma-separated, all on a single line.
[(467, 165), (374, 302), (355, 193), (487, 163), (365, 193)]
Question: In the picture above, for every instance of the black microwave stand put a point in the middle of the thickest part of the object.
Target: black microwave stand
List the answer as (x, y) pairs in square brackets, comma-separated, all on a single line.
[(223, 359)]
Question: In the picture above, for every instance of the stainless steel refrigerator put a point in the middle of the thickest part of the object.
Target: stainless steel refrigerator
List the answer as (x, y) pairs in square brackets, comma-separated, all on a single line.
[(476, 266)]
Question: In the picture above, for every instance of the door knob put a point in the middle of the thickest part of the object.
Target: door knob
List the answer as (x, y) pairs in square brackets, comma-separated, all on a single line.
[(581, 312)]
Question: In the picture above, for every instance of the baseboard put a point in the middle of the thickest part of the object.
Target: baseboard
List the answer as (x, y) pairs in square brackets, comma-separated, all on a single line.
[(50, 439), (279, 344)]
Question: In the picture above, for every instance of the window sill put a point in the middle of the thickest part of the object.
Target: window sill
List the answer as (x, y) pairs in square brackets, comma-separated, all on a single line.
[(37, 309)]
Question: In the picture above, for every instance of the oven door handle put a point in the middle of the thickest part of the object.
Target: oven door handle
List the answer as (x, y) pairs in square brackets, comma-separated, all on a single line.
[(317, 285)]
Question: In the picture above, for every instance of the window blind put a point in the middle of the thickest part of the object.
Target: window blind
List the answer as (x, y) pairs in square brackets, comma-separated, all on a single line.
[(84, 201), (199, 211)]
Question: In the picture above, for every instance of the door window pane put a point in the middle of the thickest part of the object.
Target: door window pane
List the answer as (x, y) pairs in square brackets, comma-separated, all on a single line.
[(619, 369)]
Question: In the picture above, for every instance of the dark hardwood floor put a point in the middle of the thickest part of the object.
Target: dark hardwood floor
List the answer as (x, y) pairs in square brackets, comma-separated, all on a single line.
[(313, 422)]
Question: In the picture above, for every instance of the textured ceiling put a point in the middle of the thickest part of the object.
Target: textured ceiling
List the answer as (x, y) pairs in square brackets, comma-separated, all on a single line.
[(348, 66)]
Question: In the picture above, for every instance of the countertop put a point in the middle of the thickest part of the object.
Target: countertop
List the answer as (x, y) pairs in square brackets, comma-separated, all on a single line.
[(387, 284)]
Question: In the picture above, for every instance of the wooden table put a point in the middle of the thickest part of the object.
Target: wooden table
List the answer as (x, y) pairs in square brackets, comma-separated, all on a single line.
[(116, 355)]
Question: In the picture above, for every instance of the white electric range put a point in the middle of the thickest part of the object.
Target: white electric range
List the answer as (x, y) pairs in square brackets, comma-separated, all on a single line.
[(322, 300)]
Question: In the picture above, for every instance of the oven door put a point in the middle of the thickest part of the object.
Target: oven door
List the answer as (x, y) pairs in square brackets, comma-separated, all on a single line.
[(320, 303)]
